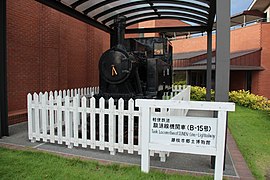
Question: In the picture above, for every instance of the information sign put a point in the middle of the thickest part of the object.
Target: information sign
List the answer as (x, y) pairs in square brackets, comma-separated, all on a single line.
[(188, 131)]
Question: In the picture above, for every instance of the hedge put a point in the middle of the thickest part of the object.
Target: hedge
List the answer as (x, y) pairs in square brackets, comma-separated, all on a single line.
[(241, 97)]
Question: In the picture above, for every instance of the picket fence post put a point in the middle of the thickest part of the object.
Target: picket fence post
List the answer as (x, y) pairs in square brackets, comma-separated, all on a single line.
[(101, 123), (67, 122), (93, 122), (131, 126), (112, 126), (30, 117), (36, 111), (64, 93), (59, 118), (75, 120), (84, 123), (44, 117), (51, 111), (120, 125)]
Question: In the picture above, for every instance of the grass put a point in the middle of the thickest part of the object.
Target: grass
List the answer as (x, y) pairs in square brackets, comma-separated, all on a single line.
[(251, 131), (16, 164)]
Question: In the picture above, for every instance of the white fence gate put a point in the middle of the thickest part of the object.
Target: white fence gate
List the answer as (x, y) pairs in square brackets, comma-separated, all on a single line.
[(75, 118)]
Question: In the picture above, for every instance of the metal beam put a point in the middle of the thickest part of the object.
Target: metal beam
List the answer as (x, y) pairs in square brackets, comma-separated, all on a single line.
[(98, 5), (133, 4), (165, 17), (77, 3), (73, 13), (154, 9), (3, 72), (212, 15), (209, 66), (222, 51), (222, 55), (137, 16), (209, 76), (169, 8), (167, 29)]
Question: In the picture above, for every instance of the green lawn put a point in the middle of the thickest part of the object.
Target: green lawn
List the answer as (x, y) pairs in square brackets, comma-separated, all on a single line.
[(37, 165), (251, 131)]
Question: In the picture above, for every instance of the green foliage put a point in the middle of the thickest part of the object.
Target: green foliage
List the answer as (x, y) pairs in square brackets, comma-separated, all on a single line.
[(180, 83), (199, 93), (241, 97), (247, 99)]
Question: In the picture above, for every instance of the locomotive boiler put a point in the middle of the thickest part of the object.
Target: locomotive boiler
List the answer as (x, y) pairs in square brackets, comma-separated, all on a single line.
[(135, 67)]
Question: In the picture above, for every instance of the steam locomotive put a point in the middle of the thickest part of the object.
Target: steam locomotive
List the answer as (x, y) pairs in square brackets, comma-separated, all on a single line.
[(135, 67)]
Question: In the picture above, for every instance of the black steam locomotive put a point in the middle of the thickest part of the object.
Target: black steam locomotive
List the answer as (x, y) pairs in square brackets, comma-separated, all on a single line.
[(135, 67)]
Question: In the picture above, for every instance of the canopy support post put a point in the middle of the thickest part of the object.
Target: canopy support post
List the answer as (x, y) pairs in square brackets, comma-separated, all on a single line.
[(3, 72), (223, 55), (209, 66)]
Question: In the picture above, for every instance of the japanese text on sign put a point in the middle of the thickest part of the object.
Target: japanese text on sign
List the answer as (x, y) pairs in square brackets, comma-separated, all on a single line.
[(183, 130)]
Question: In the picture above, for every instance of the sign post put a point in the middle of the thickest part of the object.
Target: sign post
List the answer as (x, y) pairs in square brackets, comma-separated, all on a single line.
[(194, 135)]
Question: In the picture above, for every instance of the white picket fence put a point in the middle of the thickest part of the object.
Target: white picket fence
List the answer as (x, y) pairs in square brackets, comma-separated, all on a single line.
[(179, 92), (74, 117)]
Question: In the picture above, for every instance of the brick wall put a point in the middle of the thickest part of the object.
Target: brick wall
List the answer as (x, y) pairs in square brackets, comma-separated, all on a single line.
[(192, 44), (134, 26), (155, 23), (169, 23), (48, 50), (246, 38), (148, 24), (264, 76), (241, 39), (251, 37)]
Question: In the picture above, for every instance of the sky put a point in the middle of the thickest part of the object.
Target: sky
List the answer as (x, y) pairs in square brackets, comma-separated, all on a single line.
[(238, 6)]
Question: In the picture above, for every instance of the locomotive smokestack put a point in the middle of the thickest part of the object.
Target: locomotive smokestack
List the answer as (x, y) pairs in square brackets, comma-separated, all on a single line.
[(120, 26)]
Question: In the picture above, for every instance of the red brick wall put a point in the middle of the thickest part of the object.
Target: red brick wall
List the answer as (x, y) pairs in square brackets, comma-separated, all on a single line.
[(264, 76), (189, 45), (255, 82), (134, 26), (169, 23), (241, 39), (246, 38), (148, 24), (155, 23), (48, 50)]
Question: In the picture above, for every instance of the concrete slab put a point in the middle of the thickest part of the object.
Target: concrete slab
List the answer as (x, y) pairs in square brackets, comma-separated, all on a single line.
[(179, 162)]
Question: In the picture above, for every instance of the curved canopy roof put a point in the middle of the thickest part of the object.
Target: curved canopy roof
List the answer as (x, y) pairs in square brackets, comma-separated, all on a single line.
[(101, 13)]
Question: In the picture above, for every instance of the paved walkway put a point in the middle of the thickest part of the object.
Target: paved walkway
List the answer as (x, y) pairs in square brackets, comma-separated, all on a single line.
[(183, 163)]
